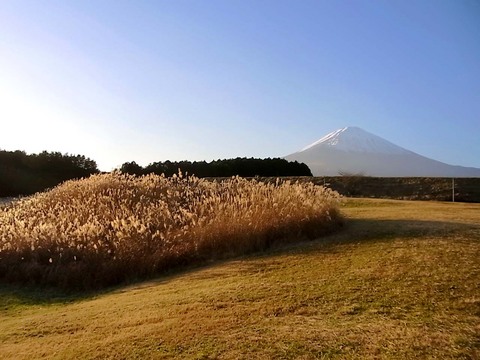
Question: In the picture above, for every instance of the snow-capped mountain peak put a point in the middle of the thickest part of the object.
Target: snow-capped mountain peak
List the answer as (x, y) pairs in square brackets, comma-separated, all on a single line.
[(355, 139), (356, 151)]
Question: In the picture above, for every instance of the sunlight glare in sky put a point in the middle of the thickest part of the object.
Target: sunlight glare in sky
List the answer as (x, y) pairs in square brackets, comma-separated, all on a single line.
[(186, 80)]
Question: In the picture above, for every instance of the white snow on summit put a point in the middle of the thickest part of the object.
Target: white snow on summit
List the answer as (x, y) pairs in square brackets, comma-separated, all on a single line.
[(354, 139)]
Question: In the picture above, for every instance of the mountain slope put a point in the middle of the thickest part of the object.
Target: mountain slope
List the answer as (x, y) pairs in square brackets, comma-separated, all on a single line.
[(356, 151)]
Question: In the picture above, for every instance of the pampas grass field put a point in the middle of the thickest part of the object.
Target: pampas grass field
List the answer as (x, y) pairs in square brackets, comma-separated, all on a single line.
[(400, 281), (112, 228)]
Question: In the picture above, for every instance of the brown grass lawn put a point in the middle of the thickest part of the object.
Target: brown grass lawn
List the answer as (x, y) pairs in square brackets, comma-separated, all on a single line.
[(401, 281)]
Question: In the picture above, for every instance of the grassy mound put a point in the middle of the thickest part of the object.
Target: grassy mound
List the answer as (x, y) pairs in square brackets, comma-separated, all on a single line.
[(111, 228)]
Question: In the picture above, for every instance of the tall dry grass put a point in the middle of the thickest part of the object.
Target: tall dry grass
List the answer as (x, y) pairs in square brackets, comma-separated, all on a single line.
[(110, 228)]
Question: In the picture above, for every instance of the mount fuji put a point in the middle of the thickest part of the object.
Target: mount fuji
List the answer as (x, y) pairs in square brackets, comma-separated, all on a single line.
[(352, 150)]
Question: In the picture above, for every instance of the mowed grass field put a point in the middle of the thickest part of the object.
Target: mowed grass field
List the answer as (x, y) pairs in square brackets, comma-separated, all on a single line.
[(400, 281)]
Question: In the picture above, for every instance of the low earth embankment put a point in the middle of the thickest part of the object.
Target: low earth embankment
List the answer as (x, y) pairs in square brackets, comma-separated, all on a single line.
[(401, 188), (400, 282)]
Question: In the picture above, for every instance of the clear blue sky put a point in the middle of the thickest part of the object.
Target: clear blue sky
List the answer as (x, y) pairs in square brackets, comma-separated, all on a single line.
[(199, 80)]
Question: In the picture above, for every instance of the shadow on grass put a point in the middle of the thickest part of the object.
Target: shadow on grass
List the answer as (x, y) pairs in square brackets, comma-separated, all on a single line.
[(355, 231), (13, 296), (359, 231)]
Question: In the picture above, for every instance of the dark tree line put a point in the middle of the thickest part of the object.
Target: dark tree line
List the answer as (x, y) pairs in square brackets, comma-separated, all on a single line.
[(23, 174), (245, 167)]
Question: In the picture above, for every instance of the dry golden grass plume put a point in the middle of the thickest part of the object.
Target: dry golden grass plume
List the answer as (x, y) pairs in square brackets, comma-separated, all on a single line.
[(110, 228)]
